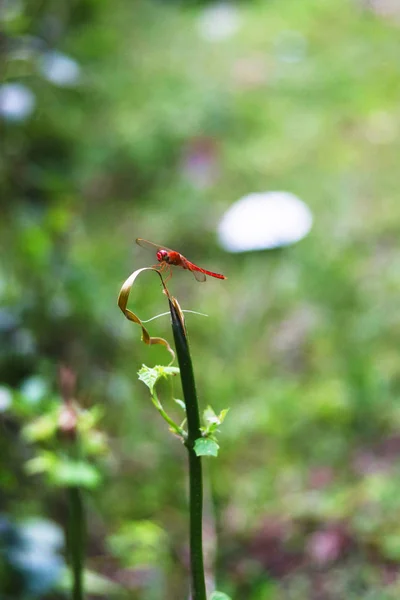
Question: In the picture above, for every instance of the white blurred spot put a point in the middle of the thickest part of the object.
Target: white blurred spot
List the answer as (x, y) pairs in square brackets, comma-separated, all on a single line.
[(264, 220), (34, 389), (59, 69), (5, 398), (218, 22), (42, 534), (17, 101), (291, 46)]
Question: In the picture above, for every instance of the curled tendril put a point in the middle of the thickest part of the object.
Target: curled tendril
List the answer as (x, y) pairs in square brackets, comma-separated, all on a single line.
[(123, 298)]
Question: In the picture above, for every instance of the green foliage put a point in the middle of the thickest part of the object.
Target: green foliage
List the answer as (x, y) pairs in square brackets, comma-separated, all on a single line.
[(94, 584), (206, 447), (219, 596), (139, 544), (151, 375), (304, 340), (66, 464)]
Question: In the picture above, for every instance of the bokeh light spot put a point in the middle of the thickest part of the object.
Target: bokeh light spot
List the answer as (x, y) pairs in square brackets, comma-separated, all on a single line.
[(17, 101), (218, 22), (60, 69), (264, 220)]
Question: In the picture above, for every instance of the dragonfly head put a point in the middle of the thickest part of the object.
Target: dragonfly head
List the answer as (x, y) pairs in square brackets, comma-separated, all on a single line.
[(162, 256)]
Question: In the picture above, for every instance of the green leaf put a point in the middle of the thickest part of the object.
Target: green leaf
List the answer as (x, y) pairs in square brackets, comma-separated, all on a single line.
[(219, 596), (44, 462), (95, 443), (212, 420), (94, 584), (206, 447), (88, 419), (210, 416), (70, 473), (150, 375), (42, 429), (222, 415), (181, 403)]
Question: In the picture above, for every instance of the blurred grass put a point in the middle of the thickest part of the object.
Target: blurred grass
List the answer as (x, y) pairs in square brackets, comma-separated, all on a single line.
[(301, 343)]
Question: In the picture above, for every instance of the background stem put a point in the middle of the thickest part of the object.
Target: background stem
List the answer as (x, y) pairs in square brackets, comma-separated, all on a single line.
[(76, 541), (195, 469)]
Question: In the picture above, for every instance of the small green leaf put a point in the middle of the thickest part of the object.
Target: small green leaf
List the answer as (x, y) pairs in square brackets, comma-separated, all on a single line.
[(41, 429), (88, 419), (219, 596), (212, 420), (181, 403), (222, 415), (150, 375), (70, 473), (94, 584), (206, 447), (44, 462), (95, 443), (209, 415)]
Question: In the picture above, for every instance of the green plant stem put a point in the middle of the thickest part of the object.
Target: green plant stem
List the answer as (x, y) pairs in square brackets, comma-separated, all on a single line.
[(76, 541), (195, 470), (174, 427)]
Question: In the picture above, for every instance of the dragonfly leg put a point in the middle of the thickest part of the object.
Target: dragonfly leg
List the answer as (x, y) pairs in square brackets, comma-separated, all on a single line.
[(169, 274)]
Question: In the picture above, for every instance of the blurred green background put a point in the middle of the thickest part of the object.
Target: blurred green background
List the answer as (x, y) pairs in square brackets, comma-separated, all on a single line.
[(149, 118)]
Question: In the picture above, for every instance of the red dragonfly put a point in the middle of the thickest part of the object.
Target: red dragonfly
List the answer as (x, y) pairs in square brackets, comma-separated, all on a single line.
[(167, 257)]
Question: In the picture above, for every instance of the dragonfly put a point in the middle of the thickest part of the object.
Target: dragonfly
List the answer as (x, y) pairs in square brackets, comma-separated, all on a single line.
[(167, 258)]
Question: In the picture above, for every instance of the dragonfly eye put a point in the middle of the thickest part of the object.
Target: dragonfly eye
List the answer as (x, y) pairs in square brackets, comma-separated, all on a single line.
[(162, 256)]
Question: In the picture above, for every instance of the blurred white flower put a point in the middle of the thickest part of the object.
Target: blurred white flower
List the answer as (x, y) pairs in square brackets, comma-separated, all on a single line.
[(218, 22), (264, 220), (59, 69), (17, 101)]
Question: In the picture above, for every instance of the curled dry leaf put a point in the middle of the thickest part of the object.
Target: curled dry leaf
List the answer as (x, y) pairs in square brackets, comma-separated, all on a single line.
[(123, 302)]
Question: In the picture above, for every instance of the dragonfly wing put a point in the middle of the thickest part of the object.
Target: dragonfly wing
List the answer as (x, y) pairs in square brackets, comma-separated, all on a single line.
[(151, 246), (200, 276)]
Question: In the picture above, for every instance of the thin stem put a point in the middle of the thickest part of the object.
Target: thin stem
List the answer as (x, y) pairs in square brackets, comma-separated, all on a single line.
[(195, 471), (176, 428), (76, 541)]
